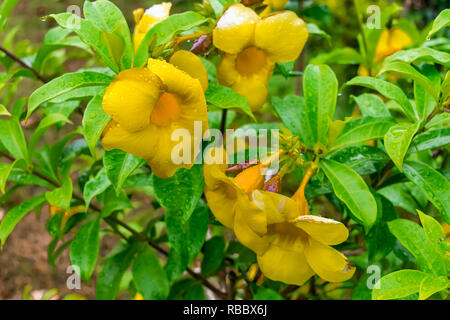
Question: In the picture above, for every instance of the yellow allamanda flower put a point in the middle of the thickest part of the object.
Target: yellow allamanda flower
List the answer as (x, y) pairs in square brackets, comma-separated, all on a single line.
[(292, 247), (145, 20), (390, 42), (148, 104), (253, 45)]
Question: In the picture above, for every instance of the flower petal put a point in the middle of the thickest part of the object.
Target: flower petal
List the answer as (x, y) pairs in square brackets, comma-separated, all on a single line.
[(278, 208), (192, 65), (327, 262), (226, 70), (283, 35), (249, 224), (152, 16), (235, 29), (141, 143), (254, 89), (286, 266), (327, 231), (130, 99)]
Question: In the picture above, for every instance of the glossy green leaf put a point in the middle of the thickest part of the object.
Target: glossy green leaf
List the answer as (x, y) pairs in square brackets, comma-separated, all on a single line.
[(213, 255), (399, 284), (425, 102), (432, 183), (221, 97), (410, 72), (44, 125), (431, 285), (431, 139), (362, 130), (400, 197), (165, 31), (292, 110), (442, 21), (64, 84), (320, 88), (149, 277), (96, 186), (113, 269), (16, 214), (13, 139), (372, 105), (5, 11), (388, 90), (94, 121), (413, 238), (119, 165), (339, 56), (421, 55), (397, 141), (352, 190), (433, 231), (4, 111), (62, 196), (85, 248), (363, 159), (108, 17)]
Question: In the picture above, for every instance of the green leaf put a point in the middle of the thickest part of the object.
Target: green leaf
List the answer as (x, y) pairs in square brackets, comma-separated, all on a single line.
[(13, 217), (267, 294), (388, 90), (44, 125), (442, 21), (320, 88), (431, 139), (106, 16), (94, 121), (96, 186), (64, 84), (352, 190), (148, 275), (4, 111), (410, 72), (164, 32), (180, 192), (425, 102), (13, 139), (371, 105), (213, 255), (362, 130), (433, 231), (314, 29), (225, 98), (421, 55), (435, 186), (397, 141), (413, 238), (85, 248), (363, 159), (431, 285), (399, 284), (62, 196), (5, 11), (113, 269), (292, 110), (119, 165), (5, 170), (83, 93), (345, 55), (400, 197), (90, 34)]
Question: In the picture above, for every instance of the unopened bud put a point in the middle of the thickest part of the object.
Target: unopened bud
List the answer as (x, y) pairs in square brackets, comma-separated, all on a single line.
[(202, 44), (241, 166)]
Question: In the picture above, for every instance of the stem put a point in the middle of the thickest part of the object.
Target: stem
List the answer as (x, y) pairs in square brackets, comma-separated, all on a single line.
[(223, 123), (23, 64), (363, 34)]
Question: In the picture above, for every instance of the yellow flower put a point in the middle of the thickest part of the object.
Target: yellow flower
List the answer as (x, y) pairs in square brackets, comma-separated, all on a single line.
[(224, 193), (146, 20), (253, 45), (146, 106), (291, 247), (446, 229)]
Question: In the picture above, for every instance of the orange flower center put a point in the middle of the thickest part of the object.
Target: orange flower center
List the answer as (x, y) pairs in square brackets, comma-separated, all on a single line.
[(166, 110), (251, 61)]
